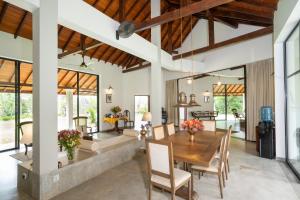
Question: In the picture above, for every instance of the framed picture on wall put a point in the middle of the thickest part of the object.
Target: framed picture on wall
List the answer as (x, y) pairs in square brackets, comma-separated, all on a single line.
[(108, 98)]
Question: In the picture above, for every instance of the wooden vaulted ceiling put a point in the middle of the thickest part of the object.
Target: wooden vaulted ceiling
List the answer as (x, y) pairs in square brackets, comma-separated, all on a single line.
[(253, 12), (66, 79)]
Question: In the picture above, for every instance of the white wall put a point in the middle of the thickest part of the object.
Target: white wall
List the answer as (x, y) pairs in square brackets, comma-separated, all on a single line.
[(21, 49), (232, 55), (286, 17)]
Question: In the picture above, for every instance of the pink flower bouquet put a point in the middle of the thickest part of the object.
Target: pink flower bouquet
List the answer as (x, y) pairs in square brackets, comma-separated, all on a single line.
[(69, 139)]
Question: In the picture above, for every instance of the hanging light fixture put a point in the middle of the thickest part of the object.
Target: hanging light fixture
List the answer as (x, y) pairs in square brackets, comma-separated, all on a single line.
[(219, 82), (192, 96), (189, 81)]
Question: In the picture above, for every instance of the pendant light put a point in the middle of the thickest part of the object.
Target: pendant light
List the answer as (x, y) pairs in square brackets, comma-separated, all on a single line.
[(192, 96), (219, 82), (181, 99)]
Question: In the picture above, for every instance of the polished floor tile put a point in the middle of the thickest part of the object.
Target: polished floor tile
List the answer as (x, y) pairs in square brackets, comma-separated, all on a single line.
[(251, 178)]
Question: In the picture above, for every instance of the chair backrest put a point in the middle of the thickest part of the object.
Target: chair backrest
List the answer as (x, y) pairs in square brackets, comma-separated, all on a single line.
[(223, 148), (170, 129), (160, 159), (209, 125), (158, 132), (229, 138), (121, 123), (81, 124), (26, 129)]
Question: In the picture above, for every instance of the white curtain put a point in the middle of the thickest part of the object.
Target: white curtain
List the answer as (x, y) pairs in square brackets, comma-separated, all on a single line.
[(171, 100), (260, 92)]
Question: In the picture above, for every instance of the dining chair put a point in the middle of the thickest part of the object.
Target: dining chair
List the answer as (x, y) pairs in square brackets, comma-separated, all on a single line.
[(170, 129), (158, 132), (217, 166), (162, 173), (226, 156), (209, 125), (81, 125), (26, 129)]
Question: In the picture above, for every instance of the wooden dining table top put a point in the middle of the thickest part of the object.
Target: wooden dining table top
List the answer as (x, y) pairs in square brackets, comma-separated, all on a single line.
[(201, 151)]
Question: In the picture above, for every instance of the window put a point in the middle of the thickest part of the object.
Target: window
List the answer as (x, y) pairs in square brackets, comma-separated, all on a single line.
[(141, 105), (292, 82), (81, 89)]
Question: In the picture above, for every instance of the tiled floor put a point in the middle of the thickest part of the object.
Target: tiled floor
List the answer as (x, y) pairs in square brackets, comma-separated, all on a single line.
[(251, 178)]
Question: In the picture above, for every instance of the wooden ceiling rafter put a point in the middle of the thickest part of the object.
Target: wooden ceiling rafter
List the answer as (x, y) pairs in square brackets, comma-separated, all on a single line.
[(3, 11), (21, 24)]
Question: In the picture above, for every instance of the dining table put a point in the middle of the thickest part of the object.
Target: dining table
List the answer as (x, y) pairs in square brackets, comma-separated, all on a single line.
[(201, 151)]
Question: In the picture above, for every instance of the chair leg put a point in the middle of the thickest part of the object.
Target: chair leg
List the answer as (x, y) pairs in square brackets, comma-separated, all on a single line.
[(223, 178), (150, 191), (220, 184), (226, 172), (173, 195), (228, 165), (26, 149), (190, 189)]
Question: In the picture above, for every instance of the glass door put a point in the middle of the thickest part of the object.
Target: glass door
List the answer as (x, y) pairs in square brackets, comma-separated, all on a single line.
[(292, 76), (141, 105), (8, 138)]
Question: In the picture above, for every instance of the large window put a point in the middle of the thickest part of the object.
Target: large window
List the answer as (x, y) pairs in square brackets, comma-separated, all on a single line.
[(141, 105), (81, 89), (16, 99), (292, 79)]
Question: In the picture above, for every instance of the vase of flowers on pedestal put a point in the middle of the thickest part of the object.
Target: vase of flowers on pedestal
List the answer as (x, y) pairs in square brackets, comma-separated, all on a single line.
[(69, 140), (192, 126)]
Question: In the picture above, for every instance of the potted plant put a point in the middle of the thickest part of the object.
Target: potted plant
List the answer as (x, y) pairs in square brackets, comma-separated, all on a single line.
[(69, 139), (116, 109), (192, 126)]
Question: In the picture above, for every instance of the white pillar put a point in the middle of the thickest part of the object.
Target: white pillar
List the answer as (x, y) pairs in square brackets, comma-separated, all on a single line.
[(69, 97), (44, 93), (156, 73)]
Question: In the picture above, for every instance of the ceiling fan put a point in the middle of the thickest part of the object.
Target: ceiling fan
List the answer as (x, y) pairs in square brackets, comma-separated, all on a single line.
[(83, 65), (125, 30)]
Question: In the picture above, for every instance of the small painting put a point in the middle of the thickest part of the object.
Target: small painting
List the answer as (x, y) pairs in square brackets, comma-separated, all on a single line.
[(108, 98)]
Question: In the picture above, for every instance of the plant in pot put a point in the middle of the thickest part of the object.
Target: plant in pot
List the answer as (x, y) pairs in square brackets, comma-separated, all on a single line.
[(192, 126), (115, 110), (69, 139)]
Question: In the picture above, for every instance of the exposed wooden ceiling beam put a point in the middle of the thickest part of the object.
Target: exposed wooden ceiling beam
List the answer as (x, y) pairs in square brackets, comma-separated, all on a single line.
[(3, 11), (78, 49), (68, 41), (251, 9), (131, 8), (63, 77), (109, 55), (20, 25), (60, 30), (136, 68), (2, 61), (211, 29), (121, 10), (182, 12), (248, 36), (266, 3), (223, 12), (102, 53), (228, 22)]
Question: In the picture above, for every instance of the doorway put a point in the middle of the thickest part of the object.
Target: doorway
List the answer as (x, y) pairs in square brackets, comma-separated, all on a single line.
[(229, 102), (141, 105)]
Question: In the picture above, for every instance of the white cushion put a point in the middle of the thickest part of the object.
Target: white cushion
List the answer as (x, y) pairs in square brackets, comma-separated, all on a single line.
[(171, 129), (212, 168), (180, 177), (130, 132), (88, 145)]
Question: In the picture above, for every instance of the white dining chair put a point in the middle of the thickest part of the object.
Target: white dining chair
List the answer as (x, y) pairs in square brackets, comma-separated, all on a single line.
[(209, 125), (162, 173), (217, 166), (158, 132), (26, 129), (170, 129)]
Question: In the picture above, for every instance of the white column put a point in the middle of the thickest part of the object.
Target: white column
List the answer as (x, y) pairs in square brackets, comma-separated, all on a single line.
[(69, 97), (156, 73), (44, 89)]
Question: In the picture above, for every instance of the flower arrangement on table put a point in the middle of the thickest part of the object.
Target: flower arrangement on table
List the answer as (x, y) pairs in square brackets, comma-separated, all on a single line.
[(192, 126), (116, 109), (69, 139)]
